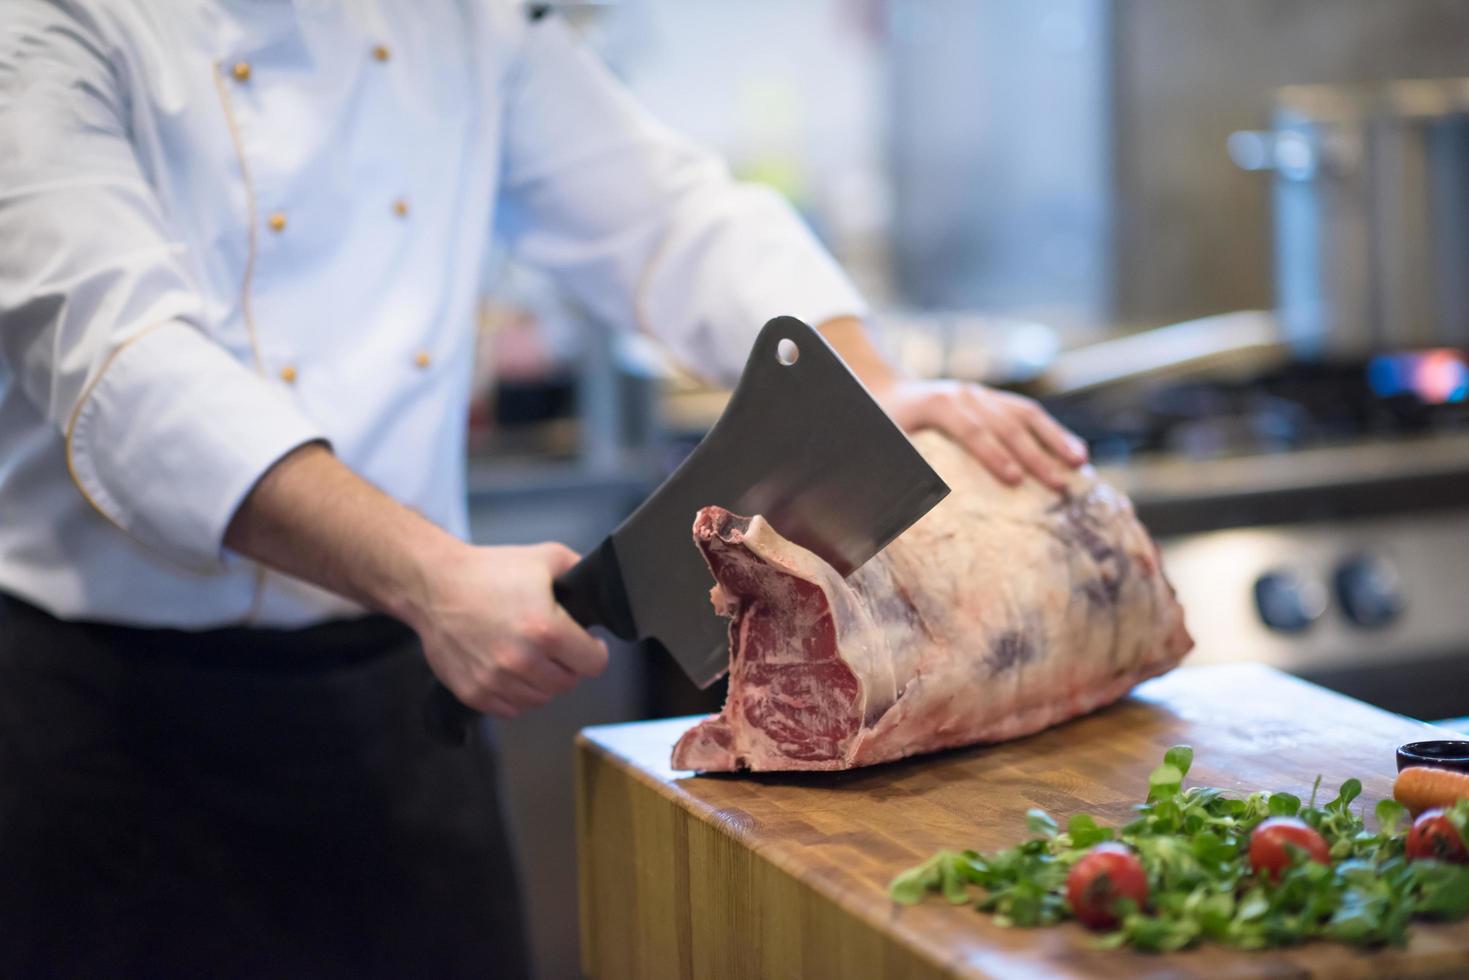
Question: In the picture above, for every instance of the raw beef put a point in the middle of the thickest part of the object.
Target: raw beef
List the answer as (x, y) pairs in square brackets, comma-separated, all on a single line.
[(1001, 612)]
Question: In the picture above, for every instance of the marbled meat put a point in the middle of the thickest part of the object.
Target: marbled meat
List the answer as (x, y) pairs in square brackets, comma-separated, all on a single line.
[(1002, 612)]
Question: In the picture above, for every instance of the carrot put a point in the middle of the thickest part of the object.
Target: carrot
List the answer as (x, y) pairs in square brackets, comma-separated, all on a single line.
[(1420, 788)]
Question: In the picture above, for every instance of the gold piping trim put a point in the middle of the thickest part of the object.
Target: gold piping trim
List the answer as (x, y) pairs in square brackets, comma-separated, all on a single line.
[(227, 107), (71, 423), (221, 87)]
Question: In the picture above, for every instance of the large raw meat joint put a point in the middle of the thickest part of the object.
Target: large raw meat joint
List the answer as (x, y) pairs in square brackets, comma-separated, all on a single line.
[(1003, 611)]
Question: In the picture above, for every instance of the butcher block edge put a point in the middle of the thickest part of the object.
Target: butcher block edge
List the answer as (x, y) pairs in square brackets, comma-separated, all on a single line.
[(785, 875)]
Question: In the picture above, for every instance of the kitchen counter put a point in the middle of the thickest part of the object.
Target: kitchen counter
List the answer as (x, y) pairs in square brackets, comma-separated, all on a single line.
[(1183, 495), (786, 875)]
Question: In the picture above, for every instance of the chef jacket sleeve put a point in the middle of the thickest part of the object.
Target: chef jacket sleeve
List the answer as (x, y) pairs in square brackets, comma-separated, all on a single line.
[(643, 228), (100, 325)]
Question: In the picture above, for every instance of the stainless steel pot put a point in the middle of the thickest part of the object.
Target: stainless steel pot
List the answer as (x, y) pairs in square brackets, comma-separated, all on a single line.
[(1371, 213)]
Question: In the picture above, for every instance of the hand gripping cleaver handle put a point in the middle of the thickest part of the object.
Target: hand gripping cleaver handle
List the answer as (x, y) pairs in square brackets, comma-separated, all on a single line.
[(591, 592)]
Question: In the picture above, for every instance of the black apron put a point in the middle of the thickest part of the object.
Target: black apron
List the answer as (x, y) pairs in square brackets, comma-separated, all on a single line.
[(240, 803)]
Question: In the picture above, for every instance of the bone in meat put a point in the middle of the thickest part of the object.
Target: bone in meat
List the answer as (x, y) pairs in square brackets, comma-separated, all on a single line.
[(1002, 612)]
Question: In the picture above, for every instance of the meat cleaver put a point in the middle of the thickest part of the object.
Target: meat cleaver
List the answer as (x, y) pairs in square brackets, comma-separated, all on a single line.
[(800, 442)]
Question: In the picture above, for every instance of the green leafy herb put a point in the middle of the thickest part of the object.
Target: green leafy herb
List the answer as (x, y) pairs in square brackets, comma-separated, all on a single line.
[(1084, 831), (1458, 815), (1194, 846), (1180, 757), (909, 887), (1284, 805), (1164, 781), (1040, 822), (1390, 813)]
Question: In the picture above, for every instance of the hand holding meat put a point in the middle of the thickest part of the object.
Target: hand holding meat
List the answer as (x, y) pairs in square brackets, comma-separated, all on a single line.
[(1010, 434), (494, 635)]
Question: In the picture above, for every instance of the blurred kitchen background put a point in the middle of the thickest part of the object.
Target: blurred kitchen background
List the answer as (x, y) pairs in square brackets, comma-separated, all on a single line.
[(1227, 241)]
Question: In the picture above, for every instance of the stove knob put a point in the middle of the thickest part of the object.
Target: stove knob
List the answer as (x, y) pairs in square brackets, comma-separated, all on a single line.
[(1369, 591), (1287, 602)]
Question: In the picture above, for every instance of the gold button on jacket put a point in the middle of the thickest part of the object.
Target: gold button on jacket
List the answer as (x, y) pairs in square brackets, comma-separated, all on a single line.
[(241, 71)]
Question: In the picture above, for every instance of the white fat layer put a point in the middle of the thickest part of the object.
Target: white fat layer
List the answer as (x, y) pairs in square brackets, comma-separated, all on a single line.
[(995, 615)]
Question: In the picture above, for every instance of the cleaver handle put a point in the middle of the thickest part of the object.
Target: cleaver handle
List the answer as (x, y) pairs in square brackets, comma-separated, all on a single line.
[(591, 592)]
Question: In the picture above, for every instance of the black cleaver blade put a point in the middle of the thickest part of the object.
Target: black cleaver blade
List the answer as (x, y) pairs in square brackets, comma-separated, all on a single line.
[(801, 442)]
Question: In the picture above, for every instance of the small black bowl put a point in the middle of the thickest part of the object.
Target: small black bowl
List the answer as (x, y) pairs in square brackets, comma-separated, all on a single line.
[(1439, 754)]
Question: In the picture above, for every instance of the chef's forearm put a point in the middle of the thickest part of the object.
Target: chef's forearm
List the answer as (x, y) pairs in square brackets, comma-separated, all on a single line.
[(851, 340), (313, 518)]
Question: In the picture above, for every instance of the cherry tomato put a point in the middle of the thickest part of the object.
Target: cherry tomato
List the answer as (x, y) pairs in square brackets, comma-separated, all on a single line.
[(1270, 843), (1107, 873), (1433, 836)]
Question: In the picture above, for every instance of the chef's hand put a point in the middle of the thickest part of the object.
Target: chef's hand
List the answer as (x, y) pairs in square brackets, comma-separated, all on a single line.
[(489, 625), (1010, 434), (495, 636)]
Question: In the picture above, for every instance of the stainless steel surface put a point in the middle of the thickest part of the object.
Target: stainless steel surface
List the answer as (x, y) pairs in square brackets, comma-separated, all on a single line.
[(1167, 481), (1216, 574), (1371, 190), (1056, 158), (1344, 564), (1247, 341), (801, 443)]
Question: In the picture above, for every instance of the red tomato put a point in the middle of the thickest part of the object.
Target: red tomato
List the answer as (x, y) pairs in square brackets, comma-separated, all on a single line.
[(1269, 843), (1107, 873), (1433, 836)]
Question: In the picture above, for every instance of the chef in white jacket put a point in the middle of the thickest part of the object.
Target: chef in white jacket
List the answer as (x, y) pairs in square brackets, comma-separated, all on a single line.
[(238, 251)]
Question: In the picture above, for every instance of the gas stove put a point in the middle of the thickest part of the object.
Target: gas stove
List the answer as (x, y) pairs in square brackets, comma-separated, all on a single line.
[(1314, 517), (1295, 406)]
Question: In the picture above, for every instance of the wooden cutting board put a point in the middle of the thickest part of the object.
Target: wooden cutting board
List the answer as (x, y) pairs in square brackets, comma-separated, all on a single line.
[(786, 875)]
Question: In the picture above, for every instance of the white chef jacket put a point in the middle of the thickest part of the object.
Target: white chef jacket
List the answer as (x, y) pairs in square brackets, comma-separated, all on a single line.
[(231, 227)]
